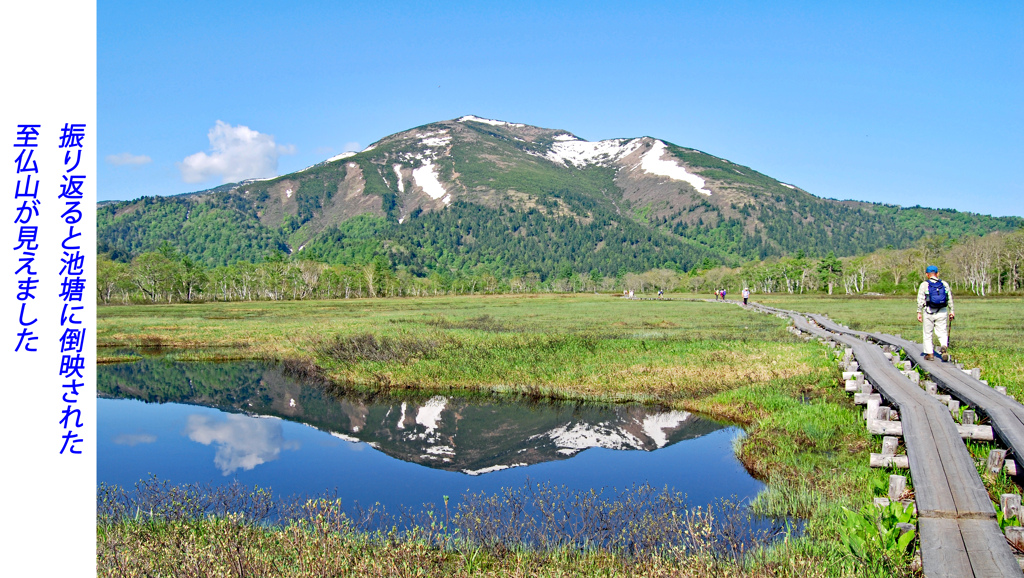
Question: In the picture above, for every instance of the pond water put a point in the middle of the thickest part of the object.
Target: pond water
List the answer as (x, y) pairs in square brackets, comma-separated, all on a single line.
[(251, 422)]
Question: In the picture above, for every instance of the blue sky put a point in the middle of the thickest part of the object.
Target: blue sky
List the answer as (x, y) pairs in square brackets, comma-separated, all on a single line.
[(918, 103)]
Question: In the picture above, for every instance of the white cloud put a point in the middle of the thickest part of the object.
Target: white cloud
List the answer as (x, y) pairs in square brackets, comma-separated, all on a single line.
[(242, 441), (236, 153), (122, 159), (134, 439)]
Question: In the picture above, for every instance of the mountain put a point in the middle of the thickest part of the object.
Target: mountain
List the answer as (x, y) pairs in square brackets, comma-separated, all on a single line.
[(470, 435), (469, 192)]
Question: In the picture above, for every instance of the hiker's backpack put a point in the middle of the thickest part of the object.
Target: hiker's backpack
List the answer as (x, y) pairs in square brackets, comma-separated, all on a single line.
[(937, 297)]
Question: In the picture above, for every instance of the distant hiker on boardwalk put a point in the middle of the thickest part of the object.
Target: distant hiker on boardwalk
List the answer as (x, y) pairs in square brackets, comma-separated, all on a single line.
[(661, 293), (935, 310), (746, 295)]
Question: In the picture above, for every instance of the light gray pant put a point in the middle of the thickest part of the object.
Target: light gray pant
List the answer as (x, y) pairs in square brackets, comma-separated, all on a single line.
[(936, 322)]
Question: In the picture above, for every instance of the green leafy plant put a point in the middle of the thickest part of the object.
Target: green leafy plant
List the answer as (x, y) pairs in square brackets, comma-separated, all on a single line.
[(879, 486), (872, 533)]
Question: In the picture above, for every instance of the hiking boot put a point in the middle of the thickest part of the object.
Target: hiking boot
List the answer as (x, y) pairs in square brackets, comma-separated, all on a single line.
[(944, 354), (928, 357)]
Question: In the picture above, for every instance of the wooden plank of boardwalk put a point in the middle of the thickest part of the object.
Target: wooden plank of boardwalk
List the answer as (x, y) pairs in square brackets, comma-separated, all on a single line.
[(942, 548), (956, 521), (1005, 414), (968, 542)]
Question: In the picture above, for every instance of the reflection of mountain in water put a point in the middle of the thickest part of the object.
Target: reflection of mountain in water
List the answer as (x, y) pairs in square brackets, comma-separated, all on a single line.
[(474, 435)]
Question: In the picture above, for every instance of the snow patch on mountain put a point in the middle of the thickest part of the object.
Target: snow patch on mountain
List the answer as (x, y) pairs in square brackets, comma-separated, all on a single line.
[(655, 425), (288, 193), (437, 139), (565, 137), (426, 178), (401, 185), (249, 181), (788, 186), (343, 155), (489, 121), (582, 436), (429, 415), (441, 450), (347, 438), (581, 153), (401, 420), (652, 163), (490, 469)]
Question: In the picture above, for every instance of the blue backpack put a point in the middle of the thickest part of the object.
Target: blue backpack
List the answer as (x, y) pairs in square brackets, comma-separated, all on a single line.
[(937, 297)]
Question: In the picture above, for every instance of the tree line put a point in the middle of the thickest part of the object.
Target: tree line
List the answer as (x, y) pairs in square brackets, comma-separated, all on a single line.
[(991, 264), (978, 265)]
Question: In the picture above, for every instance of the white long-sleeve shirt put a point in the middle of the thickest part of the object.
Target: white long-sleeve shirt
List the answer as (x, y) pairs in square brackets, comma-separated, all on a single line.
[(922, 296)]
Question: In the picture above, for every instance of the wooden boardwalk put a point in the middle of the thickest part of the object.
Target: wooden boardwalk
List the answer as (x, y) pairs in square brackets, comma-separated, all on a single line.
[(956, 521)]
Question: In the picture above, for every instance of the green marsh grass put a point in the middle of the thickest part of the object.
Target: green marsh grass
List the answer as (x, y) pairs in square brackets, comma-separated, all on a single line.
[(803, 436)]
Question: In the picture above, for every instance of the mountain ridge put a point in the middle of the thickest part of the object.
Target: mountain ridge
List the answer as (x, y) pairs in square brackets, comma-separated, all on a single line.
[(639, 202)]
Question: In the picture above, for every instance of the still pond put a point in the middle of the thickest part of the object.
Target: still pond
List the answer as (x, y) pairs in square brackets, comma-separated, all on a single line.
[(252, 422)]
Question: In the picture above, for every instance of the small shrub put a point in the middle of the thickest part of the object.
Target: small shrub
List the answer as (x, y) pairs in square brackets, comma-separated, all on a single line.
[(367, 347)]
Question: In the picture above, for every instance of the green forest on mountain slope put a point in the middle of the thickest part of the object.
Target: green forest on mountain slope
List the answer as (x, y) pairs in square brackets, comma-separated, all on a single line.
[(217, 230), (507, 242), (565, 227)]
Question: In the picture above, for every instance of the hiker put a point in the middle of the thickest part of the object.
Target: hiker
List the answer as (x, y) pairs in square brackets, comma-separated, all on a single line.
[(746, 295), (660, 293), (723, 294), (935, 310)]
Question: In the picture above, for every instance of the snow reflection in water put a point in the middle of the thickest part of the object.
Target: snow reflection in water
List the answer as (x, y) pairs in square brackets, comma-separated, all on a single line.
[(253, 423)]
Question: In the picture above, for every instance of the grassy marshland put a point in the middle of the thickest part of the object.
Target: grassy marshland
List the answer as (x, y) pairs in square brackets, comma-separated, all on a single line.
[(804, 436)]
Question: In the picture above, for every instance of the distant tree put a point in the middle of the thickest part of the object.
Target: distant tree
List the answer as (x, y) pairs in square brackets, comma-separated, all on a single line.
[(111, 276), (155, 275), (830, 270), (370, 274), (193, 278)]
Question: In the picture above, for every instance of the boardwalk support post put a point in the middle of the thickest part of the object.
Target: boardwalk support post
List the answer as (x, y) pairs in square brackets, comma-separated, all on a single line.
[(1010, 505), (885, 428), (1015, 536), (889, 444), (996, 460), (884, 461), (897, 485)]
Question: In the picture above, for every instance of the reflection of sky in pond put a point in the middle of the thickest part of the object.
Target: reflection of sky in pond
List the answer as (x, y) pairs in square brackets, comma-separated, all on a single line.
[(241, 441), (193, 444)]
